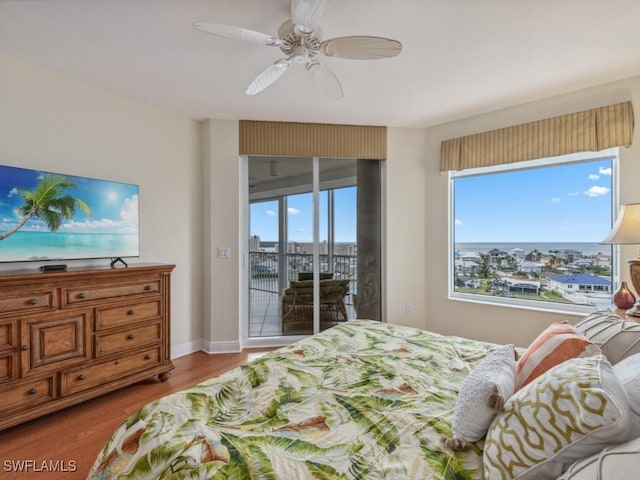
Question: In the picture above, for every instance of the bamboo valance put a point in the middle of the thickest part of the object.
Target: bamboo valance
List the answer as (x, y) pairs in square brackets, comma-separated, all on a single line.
[(589, 130), (312, 140)]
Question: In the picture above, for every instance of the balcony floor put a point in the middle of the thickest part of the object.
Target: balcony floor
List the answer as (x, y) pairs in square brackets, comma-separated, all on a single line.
[(264, 313)]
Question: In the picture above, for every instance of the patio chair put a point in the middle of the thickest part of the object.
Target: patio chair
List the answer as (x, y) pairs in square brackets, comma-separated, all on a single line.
[(297, 305)]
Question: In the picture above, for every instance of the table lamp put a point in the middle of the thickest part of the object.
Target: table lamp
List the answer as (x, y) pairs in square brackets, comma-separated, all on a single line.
[(626, 231)]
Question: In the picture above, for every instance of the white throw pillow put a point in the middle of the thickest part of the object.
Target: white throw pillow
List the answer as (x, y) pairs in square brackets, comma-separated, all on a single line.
[(570, 412), (493, 379), (621, 462), (628, 372)]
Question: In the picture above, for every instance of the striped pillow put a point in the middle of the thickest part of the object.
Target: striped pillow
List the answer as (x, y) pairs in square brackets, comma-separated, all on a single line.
[(557, 343)]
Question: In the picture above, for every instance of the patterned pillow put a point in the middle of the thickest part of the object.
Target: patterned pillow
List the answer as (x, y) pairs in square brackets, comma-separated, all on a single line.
[(557, 343), (482, 395), (571, 412), (616, 337)]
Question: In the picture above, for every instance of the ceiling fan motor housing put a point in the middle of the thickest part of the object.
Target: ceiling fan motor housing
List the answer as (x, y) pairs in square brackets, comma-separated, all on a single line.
[(303, 47)]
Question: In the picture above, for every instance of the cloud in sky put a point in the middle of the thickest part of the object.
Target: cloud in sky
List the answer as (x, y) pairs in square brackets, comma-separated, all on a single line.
[(293, 211), (12, 192), (593, 176), (270, 213), (129, 212), (555, 200), (458, 223), (596, 191), (605, 171)]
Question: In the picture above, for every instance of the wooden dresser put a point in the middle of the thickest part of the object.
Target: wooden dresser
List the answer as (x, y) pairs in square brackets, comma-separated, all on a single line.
[(68, 336)]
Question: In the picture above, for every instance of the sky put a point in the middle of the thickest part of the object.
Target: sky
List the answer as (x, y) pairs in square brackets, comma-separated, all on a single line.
[(561, 203), (114, 205), (264, 217)]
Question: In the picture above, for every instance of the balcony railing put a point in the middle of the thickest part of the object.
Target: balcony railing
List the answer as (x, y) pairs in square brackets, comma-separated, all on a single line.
[(264, 269)]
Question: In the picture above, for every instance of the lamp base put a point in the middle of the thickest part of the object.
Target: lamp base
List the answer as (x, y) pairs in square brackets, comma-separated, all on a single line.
[(634, 270)]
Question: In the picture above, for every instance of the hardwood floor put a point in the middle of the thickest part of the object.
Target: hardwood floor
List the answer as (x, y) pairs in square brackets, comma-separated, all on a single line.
[(71, 438)]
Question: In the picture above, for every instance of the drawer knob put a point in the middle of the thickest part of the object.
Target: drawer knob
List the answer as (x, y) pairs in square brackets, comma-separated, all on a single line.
[(33, 301), (24, 348), (147, 357), (148, 287), (32, 391), (81, 377), (82, 295), (129, 337), (131, 312)]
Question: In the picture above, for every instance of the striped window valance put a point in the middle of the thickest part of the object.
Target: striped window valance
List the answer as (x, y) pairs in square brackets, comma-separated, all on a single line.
[(312, 140), (589, 130)]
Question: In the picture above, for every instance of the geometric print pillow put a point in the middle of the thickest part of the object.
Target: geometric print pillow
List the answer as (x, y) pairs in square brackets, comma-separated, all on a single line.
[(570, 412)]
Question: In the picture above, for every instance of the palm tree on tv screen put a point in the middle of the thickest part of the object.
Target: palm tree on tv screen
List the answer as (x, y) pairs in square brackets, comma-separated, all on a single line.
[(48, 203)]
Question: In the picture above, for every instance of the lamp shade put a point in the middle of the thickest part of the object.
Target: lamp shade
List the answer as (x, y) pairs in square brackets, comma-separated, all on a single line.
[(626, 230)]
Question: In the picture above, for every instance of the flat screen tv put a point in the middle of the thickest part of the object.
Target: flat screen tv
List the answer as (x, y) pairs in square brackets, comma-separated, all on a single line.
[(48, 216)]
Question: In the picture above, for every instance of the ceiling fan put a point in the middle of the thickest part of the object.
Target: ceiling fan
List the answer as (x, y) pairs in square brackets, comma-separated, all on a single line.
[(300, 39)]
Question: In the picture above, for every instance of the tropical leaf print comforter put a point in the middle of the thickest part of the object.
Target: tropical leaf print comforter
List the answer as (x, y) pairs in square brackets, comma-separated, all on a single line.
[(363, 400)]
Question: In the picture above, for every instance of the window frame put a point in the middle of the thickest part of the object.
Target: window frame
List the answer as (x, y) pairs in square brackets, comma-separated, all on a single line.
[(536, 305)]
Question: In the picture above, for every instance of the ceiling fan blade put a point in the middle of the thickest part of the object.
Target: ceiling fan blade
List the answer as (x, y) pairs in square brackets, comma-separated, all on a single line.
[(306, 14), (268, 76), (361, 47), (236, 33), (325, 80)]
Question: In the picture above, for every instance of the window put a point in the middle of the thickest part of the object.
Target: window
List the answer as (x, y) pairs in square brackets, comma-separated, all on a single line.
[(528, 233)]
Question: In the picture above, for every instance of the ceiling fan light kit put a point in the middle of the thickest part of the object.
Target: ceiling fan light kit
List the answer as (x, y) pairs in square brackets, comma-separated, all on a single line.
[(300, 39)]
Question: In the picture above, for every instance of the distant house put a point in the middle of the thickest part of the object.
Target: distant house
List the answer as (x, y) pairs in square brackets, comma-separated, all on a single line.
[(497, 258), (465, 268), (579, 282), (531, 267), (522, 286)]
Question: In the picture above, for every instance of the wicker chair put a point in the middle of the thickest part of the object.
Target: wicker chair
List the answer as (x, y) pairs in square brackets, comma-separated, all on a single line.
[(297, 305)]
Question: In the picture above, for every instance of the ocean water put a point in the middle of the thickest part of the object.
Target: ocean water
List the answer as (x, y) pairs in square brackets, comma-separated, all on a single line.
[(544, 247), (25, 246)]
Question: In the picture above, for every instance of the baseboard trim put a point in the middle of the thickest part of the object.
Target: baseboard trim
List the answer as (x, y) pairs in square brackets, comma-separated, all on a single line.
[(186, 348), (232, 346)]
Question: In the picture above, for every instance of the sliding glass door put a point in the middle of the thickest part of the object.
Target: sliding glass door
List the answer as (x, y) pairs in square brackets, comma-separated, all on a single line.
[(307, 220)]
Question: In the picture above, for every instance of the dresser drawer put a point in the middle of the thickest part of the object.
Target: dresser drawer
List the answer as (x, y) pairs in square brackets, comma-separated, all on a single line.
[(27, 394), (82, 378), (107, 343), (84, 294), (127, 314), (27, 300)]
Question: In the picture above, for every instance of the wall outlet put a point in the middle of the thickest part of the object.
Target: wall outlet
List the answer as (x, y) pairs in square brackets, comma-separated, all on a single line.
[(408, 308), (224, 252)]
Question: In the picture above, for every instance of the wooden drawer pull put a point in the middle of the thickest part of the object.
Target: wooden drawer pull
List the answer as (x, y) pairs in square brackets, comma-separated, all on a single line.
[(131, 312), (130, 337), (33, 301), (82, 295), (147, 357), (24, 348), (81, 377), (148, 287), (32, 391)]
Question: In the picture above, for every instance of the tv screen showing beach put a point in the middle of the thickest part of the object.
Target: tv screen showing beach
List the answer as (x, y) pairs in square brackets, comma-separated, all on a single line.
[(48, 216)]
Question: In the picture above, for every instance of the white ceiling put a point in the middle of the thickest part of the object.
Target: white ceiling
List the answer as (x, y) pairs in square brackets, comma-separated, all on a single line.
[(459, 57)]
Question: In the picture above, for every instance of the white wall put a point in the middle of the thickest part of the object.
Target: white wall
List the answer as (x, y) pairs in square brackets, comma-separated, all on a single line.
[(53, 122), (494, 323), (57, 123)]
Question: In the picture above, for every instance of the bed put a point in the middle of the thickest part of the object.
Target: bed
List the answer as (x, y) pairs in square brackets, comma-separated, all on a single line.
[(363, 399)]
